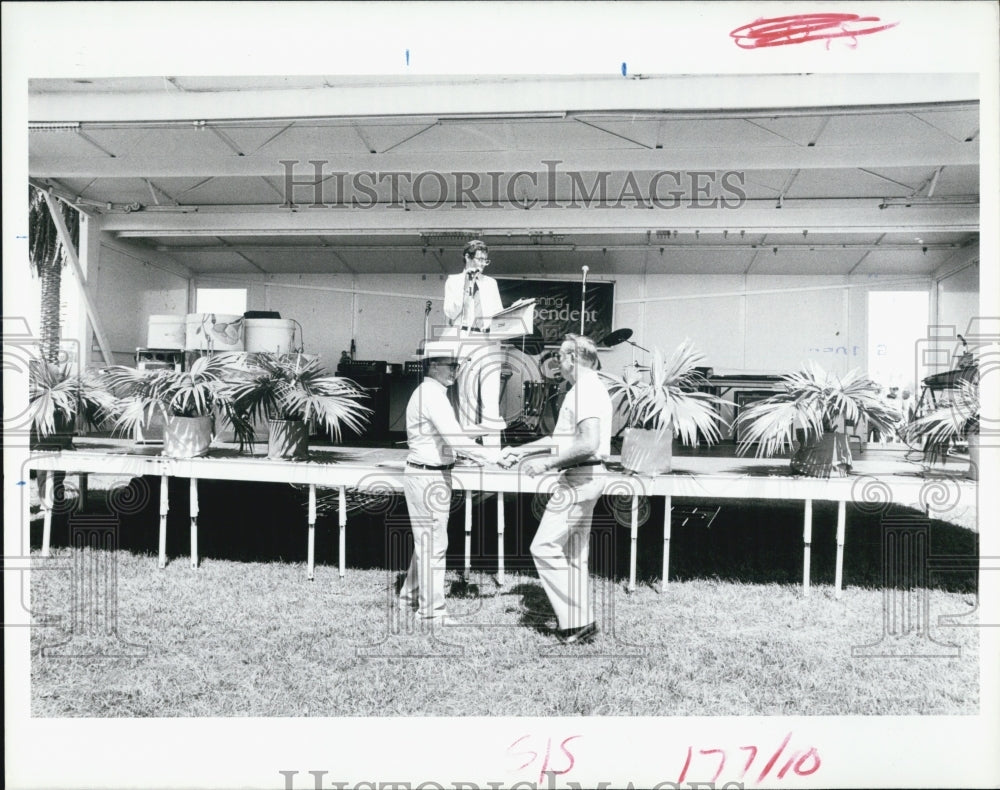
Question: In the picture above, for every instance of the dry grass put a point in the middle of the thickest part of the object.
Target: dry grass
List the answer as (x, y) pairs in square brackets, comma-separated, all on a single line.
[(248, 639), (246, 634)]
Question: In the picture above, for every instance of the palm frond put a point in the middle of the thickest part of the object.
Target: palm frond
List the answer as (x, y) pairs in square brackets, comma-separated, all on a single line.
[(939, 429), (55, 391), (296, 387), (670, 397), (816, 401)]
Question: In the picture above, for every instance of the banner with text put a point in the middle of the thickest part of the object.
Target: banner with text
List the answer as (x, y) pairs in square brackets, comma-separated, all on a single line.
[(557, 306)]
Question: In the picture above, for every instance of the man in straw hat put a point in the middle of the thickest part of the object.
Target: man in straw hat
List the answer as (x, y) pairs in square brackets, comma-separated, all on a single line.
[(434, 437)]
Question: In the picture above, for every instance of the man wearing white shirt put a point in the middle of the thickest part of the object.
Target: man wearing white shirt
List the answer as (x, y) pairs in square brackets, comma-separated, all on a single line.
[(577, 448), (470, 297), (434, 437)]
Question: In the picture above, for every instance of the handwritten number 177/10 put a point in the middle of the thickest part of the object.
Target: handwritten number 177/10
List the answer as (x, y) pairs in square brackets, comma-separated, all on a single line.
[(801, 763)]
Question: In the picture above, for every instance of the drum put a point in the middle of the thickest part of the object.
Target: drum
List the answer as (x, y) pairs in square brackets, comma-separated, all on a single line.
[(548, 363), (542, 402), (516, 370)]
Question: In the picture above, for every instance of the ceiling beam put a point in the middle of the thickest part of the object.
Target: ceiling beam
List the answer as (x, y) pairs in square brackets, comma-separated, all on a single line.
[(498, 95), (736, 158), (761, 216)]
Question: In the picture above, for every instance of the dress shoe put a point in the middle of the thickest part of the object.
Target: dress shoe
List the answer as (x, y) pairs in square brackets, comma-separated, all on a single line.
[(579, 636)]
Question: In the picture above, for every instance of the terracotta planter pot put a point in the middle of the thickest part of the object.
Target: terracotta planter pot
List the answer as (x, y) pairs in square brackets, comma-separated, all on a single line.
[(287, 439), (828, 455), (648, 452), (187, 437)]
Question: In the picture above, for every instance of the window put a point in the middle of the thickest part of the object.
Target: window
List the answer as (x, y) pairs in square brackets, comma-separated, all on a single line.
[(229, 301), (897, 321)]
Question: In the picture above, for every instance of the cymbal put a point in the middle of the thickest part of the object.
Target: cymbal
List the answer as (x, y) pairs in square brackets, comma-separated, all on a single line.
[(616, 337)]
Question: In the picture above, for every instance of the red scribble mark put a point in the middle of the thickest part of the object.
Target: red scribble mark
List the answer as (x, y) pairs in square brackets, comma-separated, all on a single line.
[(801, 28)]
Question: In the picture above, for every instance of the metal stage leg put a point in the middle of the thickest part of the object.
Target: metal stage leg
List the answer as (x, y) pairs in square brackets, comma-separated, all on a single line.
[(194, 522), (468, 536), (311, 544), (342, 538), (807, 531), (46, 488), (84, 489), (633, 543), (164, 508), (500, 528), (665, 574), (841, 524)]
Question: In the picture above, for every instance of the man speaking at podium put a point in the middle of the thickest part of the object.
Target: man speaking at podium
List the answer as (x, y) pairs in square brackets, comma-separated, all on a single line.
[(469, 298)]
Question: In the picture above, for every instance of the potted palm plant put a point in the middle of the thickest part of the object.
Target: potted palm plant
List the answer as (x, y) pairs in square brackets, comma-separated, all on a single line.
[(187, 401), (60, 401), (669, 404), (810, 417), (941, 428), (290, 391)]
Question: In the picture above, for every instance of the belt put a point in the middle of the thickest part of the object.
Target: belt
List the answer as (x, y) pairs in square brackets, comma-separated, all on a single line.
[(474, 329), (432, 467), (595, 462)]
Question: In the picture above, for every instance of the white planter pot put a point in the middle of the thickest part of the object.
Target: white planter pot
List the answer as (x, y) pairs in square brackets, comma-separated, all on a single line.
[(187, 437), (287, 439), (648, 452)]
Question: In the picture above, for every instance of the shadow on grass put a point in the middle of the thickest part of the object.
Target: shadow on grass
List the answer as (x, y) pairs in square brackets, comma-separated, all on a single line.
[(749, 541), (534, 609)]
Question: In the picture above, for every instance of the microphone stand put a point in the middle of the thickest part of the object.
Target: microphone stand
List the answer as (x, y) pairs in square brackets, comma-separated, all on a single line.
[(427, 321), (583, 299)]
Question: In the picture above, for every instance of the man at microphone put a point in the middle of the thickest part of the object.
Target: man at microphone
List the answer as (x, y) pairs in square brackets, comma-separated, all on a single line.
[(468, 298)]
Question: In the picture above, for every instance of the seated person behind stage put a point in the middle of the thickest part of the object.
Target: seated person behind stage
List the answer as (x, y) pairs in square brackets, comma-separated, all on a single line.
[(468, 297), (434, 437)]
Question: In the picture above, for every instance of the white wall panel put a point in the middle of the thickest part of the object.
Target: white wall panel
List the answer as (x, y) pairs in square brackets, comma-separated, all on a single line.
[(126, 291)]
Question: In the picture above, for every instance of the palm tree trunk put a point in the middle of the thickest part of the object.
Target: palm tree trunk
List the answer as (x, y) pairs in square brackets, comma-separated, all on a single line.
[(50, 278)]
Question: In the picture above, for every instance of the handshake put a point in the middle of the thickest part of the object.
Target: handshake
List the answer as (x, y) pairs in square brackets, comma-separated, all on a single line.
[(533, 466)]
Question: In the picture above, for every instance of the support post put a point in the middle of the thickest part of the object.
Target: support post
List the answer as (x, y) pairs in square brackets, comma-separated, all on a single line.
[(841, 528), (807, 529), (60, 223), (467, 568), (500, 530), (665, 573), (164, 508), (194, 522), (311, 545), (46, 490), (342, 537), (633, 543)]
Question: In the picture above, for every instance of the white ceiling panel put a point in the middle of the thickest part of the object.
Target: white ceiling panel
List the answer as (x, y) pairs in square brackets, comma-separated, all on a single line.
[(803, 261), (902, 262), (226, 176), (959, 125)]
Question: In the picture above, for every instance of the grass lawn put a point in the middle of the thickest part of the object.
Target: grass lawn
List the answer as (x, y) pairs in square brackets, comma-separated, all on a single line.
[(250, 636)]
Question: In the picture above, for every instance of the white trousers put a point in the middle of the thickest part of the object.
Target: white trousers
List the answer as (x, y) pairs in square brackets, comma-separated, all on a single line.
[(561, 548), (428, 501), (479, 390)]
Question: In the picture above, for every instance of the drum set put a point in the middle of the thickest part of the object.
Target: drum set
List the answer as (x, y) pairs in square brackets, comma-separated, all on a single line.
[(532, 387)]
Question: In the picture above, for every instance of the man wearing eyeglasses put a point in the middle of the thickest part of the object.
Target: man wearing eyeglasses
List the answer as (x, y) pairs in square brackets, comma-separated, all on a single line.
[(470, 297), (434, 438), (576, 449)]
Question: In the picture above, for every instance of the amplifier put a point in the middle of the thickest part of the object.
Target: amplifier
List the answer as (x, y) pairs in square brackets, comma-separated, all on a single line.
[(360, 366)]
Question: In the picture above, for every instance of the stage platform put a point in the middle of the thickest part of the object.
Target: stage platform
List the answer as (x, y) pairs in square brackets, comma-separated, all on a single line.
[(879, 479)]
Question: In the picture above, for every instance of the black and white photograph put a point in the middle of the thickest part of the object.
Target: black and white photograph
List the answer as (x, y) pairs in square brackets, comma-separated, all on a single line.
[(501, 395)]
